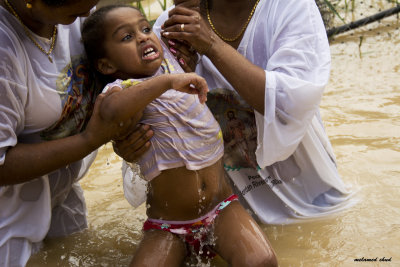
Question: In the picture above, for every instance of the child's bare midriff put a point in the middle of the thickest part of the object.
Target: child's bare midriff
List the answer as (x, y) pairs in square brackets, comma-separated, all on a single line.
[(180, 194)]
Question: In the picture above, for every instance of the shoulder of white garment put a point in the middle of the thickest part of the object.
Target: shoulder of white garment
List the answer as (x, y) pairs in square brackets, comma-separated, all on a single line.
[(160, 21)]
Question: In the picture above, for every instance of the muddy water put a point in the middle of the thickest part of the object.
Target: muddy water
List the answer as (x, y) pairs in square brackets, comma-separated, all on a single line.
[(361, 111)]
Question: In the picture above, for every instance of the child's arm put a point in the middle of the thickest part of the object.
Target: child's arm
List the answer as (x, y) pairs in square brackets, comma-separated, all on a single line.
[(121, 105)]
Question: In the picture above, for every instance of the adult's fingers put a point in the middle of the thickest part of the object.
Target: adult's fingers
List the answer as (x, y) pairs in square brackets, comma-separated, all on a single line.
[(188, 64), (129, 126), (176, 46), (138, 136), (181, 24), (181, 46), (193, 4), (188, 26), (134, 144), (184, 54), (182, 10), (130, 154), (179, 15)]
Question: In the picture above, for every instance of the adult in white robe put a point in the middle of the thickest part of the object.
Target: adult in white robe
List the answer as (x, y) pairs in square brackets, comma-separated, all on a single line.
[(45, 103), (297, 176)]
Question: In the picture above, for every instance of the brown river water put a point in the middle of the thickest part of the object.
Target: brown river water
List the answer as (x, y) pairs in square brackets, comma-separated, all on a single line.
[(361, 112)]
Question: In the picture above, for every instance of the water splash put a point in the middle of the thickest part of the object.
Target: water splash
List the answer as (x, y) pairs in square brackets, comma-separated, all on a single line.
[(200, 192), (207, 241)]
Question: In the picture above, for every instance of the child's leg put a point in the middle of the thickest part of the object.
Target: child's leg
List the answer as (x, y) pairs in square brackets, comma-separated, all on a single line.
[(159, 248), (240, 240)]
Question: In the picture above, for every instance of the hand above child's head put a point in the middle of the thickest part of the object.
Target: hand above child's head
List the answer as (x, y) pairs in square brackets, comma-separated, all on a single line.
[(193, 4)]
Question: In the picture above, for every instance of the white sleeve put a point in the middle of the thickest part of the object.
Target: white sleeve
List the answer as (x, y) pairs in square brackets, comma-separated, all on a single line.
[(296, 72), (13, 93), (160, 21), (135, 187)]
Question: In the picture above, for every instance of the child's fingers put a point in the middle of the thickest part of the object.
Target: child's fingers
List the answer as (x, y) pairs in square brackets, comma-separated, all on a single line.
[(199, 84), (202, 96), (191, 83)]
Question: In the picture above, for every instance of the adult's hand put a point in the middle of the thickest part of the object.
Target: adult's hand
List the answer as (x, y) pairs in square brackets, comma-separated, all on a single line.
[(135, 141), (188, 25), (184, 53), (100, 130), (135, 144), (192, 4)]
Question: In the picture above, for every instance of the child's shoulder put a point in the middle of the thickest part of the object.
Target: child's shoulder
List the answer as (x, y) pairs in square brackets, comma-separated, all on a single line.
[(129, 82), (121, 83)]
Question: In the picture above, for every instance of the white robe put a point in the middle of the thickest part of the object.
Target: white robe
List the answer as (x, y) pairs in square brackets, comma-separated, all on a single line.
[(33, 94), (298, 178)]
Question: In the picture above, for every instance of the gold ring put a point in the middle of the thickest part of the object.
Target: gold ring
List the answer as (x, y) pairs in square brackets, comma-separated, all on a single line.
[(182, 27)]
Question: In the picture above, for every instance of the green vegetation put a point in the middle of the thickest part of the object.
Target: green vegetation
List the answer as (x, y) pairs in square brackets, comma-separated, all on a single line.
[(334, 12)]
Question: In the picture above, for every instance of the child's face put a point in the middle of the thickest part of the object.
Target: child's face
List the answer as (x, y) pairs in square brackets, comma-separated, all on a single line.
[(132, 49)]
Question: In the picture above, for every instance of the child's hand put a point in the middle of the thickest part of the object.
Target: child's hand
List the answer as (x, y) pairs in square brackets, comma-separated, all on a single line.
[(190, 83)]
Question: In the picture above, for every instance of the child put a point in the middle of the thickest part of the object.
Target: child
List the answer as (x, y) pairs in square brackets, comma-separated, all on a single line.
[(190, 204)]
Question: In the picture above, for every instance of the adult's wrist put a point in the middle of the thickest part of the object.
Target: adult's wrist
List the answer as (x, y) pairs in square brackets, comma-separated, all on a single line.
[(212, 48), (88, 143)]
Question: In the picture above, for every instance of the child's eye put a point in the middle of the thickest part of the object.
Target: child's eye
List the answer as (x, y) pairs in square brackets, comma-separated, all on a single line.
[(127, 37), (146, 30)]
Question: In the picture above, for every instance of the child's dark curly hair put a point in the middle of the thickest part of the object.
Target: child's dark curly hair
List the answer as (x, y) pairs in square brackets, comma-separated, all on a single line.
[(93, 33), (57, 3)]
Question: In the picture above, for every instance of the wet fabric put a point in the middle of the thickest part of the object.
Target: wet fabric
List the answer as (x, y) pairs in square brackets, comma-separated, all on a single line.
[(194, 232), (185, 131), (34, 109), (287, 170)]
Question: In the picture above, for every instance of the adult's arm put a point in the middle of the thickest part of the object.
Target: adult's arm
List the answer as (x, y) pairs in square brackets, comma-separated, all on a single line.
[(231, 64), (22, 162)]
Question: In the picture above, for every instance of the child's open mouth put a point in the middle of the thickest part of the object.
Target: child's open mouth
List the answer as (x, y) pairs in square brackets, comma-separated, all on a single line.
[(150, 53)]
